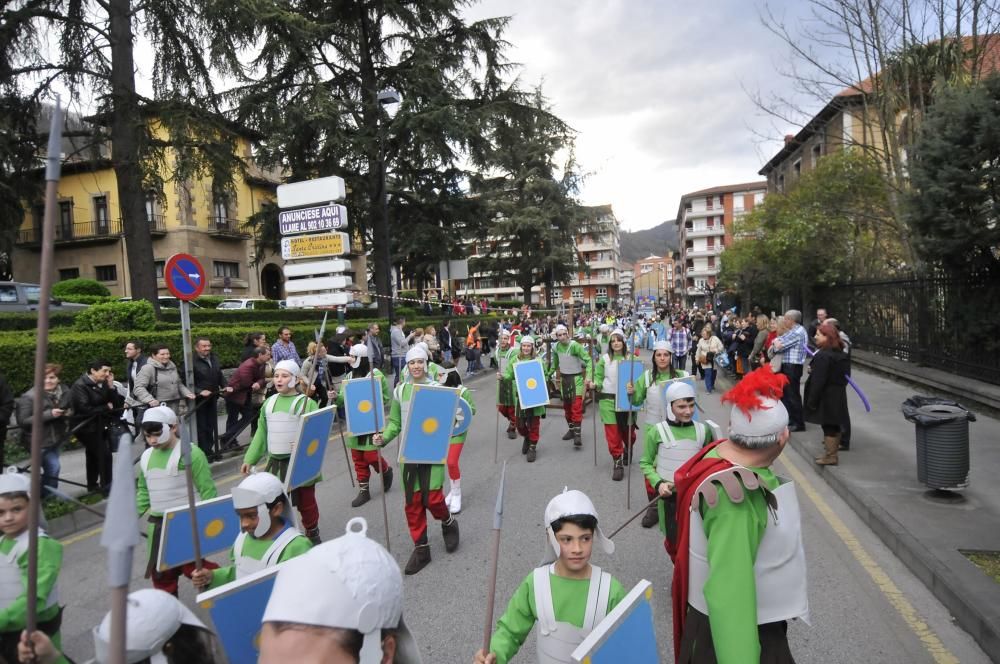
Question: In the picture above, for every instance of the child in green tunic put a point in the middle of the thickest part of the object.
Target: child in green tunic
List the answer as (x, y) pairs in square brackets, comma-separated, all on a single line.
[(558, 594), (618, 430), (14, 511), (528, 419), (266, 538)]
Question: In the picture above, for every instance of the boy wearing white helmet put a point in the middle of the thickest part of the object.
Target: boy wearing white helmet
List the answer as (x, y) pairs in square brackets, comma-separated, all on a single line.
[(364, 453), (341, 603), (572, 367), (15, 501), (277, 429), (161, 484), (267, 537), (528, 420), (422, 483), (667, 447), (567, 595), (648, 391)]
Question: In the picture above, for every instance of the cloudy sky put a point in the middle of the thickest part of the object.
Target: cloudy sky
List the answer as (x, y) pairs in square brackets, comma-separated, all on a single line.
[(656, 90)]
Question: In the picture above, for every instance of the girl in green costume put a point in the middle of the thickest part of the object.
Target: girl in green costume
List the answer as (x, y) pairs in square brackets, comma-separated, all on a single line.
[(616, 424)]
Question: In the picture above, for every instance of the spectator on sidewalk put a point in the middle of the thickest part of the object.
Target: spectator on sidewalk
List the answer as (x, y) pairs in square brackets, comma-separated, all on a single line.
[(758, 354), (821, 316), (845, 424), (159, 382), (473, 350), (316, 367), (252, 341), (247, 381), (134, 360), (284, 348), (400, 344), (709, 346), (444, 338), (54, 422), (375, 352), (792, 347), (208, 384), (680, 343), (92, 398), (826, 390), (6, 410)]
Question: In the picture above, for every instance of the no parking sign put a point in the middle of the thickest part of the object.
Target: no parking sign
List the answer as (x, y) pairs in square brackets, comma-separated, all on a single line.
[(185, 276)]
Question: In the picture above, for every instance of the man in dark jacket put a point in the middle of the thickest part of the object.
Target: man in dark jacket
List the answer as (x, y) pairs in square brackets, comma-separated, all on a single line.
[(6, 409), (92, 398), (208, 382), (134, 360), (248, 378)]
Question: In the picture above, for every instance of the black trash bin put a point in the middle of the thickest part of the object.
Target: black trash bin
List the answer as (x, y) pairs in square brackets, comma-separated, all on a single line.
[(942, 429)]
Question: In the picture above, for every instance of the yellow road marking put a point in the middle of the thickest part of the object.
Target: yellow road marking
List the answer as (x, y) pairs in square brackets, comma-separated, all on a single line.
[(79, 537), (886, 586)]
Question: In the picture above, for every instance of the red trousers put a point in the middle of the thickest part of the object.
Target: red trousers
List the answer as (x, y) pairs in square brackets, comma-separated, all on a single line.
[(416, 515), (304, 498), (529, 427), (616, 442), (167, 579), (454, 451), (509, 412), (573, 409), (364, 461)]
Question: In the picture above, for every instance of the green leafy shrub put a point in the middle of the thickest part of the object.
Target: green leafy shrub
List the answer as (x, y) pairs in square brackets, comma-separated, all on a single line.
[(61, 289), (11, 322), (266, 305), (134, 315), (209, 301), (87, 299)]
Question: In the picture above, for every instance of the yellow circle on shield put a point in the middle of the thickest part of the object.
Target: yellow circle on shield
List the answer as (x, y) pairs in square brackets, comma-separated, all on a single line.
[(430, 425), (214, 527), (364, 406), (313, 446), (531, 383)]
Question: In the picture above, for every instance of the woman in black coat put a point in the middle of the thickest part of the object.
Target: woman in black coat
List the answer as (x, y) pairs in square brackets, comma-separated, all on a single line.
[(826, 390)]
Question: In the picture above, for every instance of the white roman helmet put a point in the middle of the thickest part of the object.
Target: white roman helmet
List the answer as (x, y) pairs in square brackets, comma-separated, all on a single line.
[(257, 490), (356, 353), (416, 353), (288, 365), (677, 390), (153, 616), (662, 345), (571, 503), (162, 415), (348, 583), (12, 481)]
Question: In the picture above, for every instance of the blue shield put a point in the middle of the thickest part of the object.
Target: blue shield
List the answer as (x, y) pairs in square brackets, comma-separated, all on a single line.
[(218, 527), (529, 378), (363, 406), (463, 418), (306, 461), (690, 380), (428, 426), (237, 610), (628, 371), (626, 634)]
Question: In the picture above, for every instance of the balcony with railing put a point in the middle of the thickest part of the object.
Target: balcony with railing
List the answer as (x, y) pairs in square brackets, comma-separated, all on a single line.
[(80, 232), (227, 227), (704, 251), (157, 224), (711, 231)]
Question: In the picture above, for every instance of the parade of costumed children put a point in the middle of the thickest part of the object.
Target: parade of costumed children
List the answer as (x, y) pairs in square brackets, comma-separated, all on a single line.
[(277, 429), (528, 420), (506, 398), (573, 369), (422, 483), (618, 432), (364, 453), (648, 391), (740, 571)]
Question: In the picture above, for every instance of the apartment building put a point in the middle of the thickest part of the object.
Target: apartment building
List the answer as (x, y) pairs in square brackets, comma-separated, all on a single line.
[(652, 279), (625, 283), (705, 228), (203, 218)]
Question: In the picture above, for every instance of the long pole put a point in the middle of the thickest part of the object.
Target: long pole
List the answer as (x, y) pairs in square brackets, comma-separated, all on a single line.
[(634, 517), (491, 592), (52, 173), (631, 414), (189, 476), (120, 537), (496, 426), (378, 463), (347, 457), (384, 221)]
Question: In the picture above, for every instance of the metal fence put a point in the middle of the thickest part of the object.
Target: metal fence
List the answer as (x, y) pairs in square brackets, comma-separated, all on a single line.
[(946, 322)]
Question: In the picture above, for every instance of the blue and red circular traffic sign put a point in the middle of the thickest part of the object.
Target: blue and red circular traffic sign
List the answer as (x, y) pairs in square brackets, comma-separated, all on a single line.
[(185, 276)]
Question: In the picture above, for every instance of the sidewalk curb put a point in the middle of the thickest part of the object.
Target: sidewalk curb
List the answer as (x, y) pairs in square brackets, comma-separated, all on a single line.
[(80, 519), (970, 603)]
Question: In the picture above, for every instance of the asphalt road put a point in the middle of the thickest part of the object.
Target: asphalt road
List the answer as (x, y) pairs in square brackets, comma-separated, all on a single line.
[(865, 605)]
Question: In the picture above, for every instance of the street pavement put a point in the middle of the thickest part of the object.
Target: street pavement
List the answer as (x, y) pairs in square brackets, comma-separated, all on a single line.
[(866, 606)]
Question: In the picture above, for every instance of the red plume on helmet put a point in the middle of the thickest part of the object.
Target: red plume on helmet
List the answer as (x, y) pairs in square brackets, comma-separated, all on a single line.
[(748, 395)]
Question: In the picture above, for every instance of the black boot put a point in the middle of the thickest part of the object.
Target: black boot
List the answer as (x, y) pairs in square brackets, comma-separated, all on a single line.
[(569, 433), (387, 478), (449, 529), (577, 437), (313, 535), (363, 495), (512, 432), (651, 517), (618, 472), (531, 453), (419, 559), (525, 445)]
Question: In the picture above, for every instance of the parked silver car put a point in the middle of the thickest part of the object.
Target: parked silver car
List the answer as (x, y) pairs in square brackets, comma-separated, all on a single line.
[(19, 296)]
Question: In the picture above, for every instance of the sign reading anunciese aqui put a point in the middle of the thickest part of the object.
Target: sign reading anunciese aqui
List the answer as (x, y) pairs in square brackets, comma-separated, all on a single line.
[(312, 219)]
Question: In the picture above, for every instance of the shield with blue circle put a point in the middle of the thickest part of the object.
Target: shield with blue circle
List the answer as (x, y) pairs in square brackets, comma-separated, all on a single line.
[(218, 526), (237, 611), (627, 633), (529, 379), (429, 423), (463, 418), (306, 461), (629, 371), (363, 406)]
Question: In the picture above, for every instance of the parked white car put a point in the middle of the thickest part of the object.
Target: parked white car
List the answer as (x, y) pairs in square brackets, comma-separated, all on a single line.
[(239, 303)]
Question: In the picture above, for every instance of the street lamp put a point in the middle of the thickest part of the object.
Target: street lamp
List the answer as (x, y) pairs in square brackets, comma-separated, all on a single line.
[(388, 99)]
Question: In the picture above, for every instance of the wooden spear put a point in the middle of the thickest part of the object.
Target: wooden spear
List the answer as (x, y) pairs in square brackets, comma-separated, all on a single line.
[(494, 561)]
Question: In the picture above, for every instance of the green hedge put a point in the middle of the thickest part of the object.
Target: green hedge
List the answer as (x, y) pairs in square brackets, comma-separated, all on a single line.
[(11, 322), (61, 289), (134, 315)]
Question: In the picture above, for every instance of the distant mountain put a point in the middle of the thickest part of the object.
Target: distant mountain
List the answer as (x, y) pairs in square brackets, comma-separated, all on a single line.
[(656, 241)]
